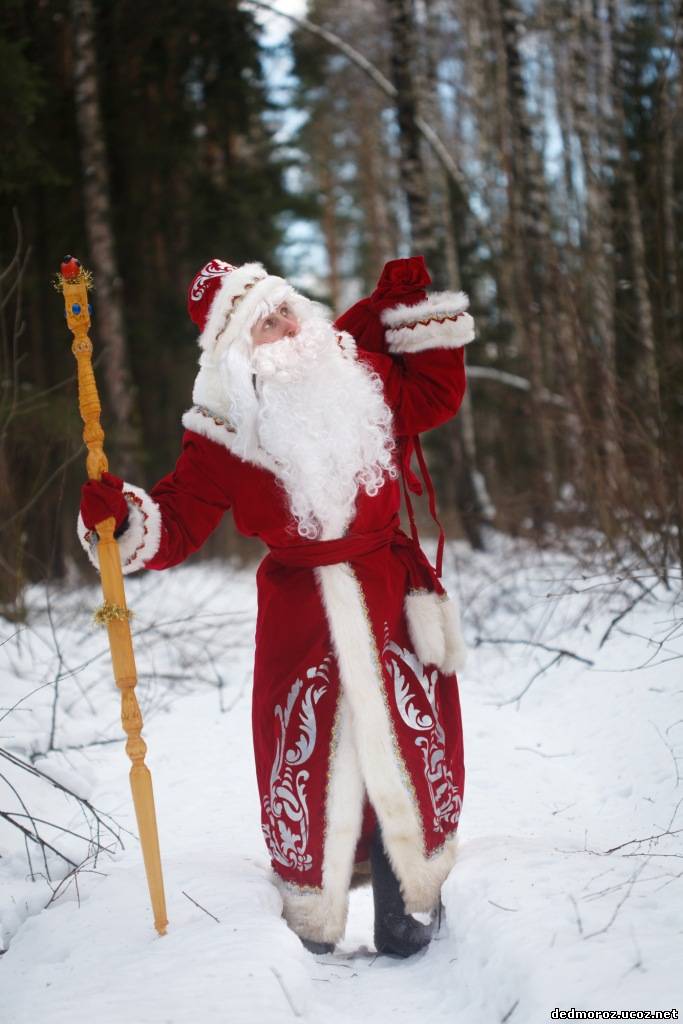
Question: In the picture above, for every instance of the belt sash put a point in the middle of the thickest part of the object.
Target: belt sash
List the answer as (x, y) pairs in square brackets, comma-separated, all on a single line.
[(353, 547)]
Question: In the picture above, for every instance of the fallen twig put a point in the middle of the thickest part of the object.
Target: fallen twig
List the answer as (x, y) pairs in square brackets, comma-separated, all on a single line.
[(509, 1013), (200, 906), (279, 979), (632, 881), (647, 839)]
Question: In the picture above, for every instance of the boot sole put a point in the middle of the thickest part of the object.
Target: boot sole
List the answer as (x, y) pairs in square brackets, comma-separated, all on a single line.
[(390, 945)]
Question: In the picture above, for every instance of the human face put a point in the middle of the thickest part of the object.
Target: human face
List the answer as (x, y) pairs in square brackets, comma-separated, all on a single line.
[(280, 323)]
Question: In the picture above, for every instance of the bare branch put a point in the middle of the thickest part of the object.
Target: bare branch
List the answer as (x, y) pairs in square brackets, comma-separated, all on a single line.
[(200, 906)]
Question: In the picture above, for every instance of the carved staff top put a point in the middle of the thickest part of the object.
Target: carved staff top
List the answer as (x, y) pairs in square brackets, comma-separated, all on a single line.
[(74, 281)]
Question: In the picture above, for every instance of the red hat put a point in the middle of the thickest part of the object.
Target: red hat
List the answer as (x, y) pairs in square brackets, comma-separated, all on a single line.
[(225, 301)]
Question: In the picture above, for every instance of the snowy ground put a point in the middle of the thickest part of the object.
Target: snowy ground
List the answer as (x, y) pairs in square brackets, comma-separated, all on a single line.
[(568, 891)]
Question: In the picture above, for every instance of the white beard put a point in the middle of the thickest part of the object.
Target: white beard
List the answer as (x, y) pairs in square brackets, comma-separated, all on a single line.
[(321, 415)]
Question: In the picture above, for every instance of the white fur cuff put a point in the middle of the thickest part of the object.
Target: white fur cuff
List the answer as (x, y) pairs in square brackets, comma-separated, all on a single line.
[(435, 631), (141, 540), (438, 322)]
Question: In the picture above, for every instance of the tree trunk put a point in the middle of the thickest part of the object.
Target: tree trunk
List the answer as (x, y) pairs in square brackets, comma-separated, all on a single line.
[(109, 321), (471, 495), (528, 242), (672, 102), (413, 178), (330, 227), (374, 184), (595, 123), (646, 335), (571, 380)]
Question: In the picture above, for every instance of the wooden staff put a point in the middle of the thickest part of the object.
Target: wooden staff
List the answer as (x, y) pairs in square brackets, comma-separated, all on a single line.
[(73, 282)]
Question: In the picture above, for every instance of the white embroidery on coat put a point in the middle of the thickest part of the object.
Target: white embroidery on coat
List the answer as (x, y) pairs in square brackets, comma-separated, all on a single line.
[(286, 806), (404, 667)]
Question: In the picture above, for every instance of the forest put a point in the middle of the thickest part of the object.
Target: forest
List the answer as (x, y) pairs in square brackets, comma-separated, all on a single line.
[(531, 151)]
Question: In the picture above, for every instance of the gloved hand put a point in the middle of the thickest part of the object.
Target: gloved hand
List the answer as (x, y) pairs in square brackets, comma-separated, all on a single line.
[(101, 499)]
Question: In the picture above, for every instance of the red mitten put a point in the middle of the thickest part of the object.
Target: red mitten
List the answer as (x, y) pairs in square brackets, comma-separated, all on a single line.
[(101, 499), (402, 282)]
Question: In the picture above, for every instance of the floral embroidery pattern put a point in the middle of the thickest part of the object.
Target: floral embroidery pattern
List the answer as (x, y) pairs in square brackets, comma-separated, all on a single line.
[(285, 805), (406, 670), (214, 268)]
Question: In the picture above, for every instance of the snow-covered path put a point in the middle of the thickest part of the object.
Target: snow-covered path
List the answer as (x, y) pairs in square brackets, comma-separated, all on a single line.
[(538, 914)]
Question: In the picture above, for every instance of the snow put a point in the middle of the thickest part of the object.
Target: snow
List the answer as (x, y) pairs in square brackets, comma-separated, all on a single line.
[(559, 897)]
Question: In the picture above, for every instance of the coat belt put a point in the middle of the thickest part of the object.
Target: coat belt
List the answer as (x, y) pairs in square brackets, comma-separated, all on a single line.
[(354, 546)]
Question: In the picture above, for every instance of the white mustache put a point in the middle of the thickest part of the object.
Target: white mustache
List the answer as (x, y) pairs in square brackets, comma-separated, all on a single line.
[(287, 359)]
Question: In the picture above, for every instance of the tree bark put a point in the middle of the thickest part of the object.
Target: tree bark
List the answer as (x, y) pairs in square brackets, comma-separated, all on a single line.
[(527, 243), (672, 103), (413, 177), (382, 233), (329, 222), (597, 133), (471, 495), (109, 322)]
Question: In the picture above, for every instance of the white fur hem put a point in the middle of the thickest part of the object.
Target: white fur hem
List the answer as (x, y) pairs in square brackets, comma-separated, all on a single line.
[(320, 914), (435, 630), (381, 766), (141, 540)]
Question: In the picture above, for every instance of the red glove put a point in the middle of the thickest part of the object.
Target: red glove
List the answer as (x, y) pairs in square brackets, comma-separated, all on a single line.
[(101, 499)]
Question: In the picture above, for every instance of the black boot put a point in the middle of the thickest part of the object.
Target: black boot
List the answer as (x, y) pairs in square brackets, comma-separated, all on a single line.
[(396, 932), (318, 947)]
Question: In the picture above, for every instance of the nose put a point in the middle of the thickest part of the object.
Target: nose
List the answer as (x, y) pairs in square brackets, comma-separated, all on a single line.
[(290, 325)]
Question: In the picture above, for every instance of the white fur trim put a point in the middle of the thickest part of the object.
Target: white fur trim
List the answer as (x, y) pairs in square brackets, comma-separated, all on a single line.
[(436, 304), (244, 295), (456, 648), (140, 542), (421, 877), (439, 321), (453, 332), (209, 390), (425, 626), (321, 914), (217, 428), (435, 630)]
